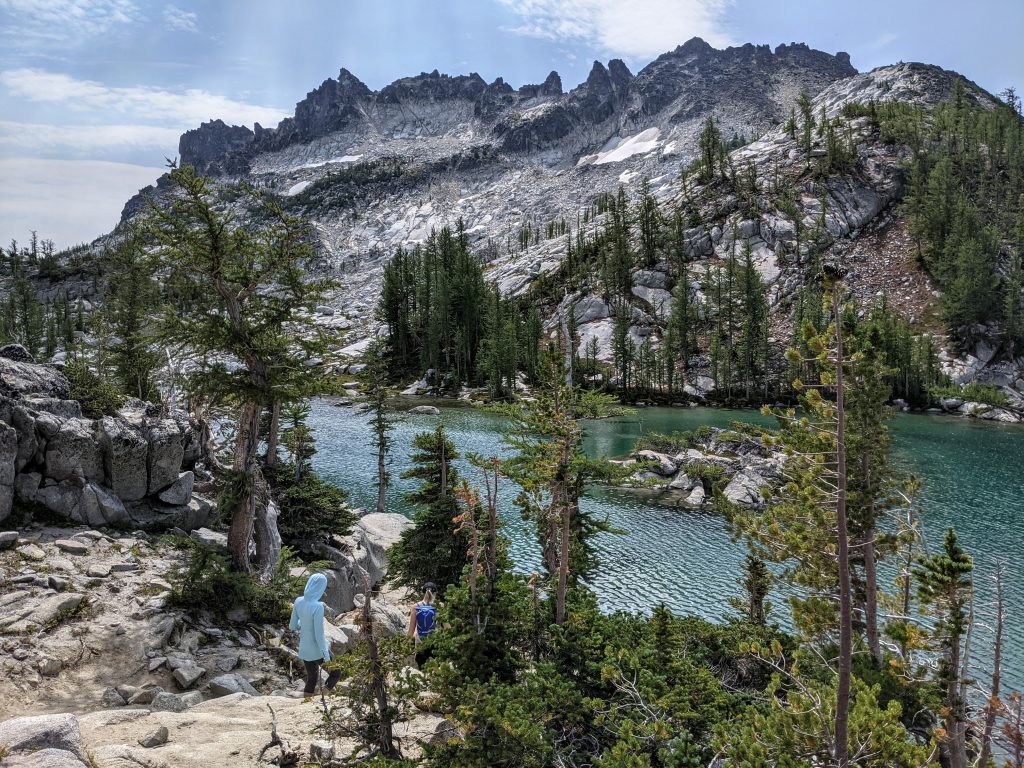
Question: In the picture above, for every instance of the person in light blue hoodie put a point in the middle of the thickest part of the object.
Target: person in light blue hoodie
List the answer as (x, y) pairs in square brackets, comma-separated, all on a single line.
[(308, 620)]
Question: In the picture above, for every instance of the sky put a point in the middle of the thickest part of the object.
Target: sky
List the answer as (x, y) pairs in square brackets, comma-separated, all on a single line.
[(94, 93)]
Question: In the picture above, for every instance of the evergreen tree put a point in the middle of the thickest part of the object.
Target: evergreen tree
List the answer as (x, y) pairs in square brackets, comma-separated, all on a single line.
[(945, 586), (551, 468), (128, 303), (241, 293), (381, 422), (433, 550)]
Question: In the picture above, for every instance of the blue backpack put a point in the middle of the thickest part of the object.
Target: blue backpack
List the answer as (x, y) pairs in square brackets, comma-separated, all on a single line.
[(426, 619)]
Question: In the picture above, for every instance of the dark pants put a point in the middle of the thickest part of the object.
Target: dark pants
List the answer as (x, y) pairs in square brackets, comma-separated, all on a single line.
[(423, 653), (313, 677)]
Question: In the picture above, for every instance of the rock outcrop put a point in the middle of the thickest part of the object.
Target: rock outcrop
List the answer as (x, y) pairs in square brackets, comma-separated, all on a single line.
[(714, 462), (361, 554), (132, 469)]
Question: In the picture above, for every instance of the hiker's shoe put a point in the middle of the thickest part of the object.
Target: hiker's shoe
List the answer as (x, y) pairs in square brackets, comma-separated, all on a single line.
[(332, 679)]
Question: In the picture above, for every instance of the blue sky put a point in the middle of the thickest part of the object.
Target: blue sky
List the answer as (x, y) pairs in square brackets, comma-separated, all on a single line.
[(94, 93)]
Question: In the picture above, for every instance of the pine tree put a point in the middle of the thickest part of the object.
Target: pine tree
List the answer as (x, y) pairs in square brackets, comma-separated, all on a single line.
[(242, 294), (649, 221), (946, 587), (128, 308), (381, 422), (432, 550), (551, 468)]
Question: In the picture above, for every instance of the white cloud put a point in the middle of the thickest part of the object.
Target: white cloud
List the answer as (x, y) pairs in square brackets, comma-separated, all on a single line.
[(56, 20), (884, 40), (632, 28), (87, 138), (184, 109), (184, 21), (69, 201)]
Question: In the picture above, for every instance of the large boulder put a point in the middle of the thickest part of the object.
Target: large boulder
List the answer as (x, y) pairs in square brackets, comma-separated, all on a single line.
[(155, 515), (745, 488), (27, 378), (383, 529), (340, 637), (125, 452), (225, 685), (63, 498), (24, 423), (591, 308), (74, 452), (364, 550), (100, 507), (8, 453), (166, 453), (44, 758), (43, 733), (388, 621), (8, 457), (660, 463), (21, 611), (180, 491)]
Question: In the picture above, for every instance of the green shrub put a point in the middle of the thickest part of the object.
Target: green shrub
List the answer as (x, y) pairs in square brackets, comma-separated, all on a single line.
[(209, 583), (310, 509), (973, 392), (711, 475), (673, 443), (98, 398)]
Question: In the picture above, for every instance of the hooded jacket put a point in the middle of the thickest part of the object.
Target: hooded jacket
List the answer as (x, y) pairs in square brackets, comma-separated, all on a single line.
[(308, 619)]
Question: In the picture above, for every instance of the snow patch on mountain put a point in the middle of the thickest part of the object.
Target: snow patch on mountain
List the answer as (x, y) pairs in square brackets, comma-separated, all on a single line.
[(321, 163), (618, 149)]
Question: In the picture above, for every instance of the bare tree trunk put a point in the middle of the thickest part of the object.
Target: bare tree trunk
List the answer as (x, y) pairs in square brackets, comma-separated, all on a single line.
[(382, 475), (491, 551), (244, 514), (956, 718), (871, 595), (845, 608), (992, 706), (907, 583), (563, 562), (378, 684), (265, 532), (272, 436)]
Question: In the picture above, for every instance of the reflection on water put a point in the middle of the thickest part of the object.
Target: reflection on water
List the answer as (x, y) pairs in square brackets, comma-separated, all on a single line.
[(972, 474)]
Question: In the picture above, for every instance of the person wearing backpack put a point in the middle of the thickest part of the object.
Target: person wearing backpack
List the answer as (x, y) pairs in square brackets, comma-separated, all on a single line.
[(422, 622)]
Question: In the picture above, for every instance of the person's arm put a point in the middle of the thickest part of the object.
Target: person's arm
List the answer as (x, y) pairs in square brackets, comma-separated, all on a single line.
[(412, 622), (293, 622), (318, 623)]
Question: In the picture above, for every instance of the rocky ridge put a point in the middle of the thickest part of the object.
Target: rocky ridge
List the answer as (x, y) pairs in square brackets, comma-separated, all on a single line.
[(133, 469), (376, 170)]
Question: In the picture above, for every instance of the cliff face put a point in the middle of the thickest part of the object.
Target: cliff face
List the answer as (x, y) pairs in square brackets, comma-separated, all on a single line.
[(694, 80), (211, 141)]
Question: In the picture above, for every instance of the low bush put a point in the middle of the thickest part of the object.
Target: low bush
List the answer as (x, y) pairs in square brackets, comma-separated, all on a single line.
[(98, 398), (208, 582), (673, 443), (973, 392), (311, 508)]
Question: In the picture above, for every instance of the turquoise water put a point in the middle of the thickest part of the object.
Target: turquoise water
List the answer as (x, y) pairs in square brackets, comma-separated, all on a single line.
[(973, 477)]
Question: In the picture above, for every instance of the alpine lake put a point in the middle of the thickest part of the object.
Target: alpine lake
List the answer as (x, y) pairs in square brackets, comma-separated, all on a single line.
[(972, 476)]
